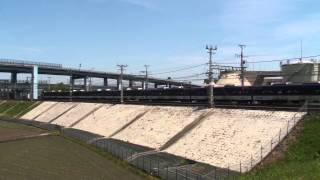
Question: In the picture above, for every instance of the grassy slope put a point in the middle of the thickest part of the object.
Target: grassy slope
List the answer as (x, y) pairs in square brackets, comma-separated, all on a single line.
[(6, 105), (13, 108), (301, 161)]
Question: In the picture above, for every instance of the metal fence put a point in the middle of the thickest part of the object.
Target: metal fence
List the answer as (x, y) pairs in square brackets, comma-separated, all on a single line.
[(266, 148), (149, 161), (159, 164), (145, 160)]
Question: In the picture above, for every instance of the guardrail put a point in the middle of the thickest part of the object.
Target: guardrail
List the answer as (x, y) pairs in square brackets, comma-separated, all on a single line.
[(28, 63)]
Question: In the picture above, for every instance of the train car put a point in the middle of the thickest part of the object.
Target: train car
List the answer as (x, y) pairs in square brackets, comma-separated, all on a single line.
[(224, 95), (287, 93), (233, 95)]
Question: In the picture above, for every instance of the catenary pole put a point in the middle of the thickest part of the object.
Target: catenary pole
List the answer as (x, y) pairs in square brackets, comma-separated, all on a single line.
[(211, 51), (242, 64), (122, 68)]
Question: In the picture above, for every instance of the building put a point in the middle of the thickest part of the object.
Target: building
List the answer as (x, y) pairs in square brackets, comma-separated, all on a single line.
[(300, 71), (251, 78)]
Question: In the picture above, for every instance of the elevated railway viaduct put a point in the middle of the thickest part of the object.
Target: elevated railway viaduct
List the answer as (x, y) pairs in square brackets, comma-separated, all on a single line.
[(35, 68)]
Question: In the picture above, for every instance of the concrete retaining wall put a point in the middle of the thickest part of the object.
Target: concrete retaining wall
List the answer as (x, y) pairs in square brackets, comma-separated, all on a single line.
[(78, 112), (56, 111), (160, 124), (222, 138), (230, 137), (44, 106)]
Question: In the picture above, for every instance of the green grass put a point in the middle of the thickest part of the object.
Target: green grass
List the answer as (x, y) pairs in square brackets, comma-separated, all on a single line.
[(302, 159), (6, 105), (12, 130), (54, 157), (17, 127), (15, 108), (19, 107)]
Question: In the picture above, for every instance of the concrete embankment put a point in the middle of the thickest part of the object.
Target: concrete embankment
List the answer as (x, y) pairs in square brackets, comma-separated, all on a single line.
[(220, 137)]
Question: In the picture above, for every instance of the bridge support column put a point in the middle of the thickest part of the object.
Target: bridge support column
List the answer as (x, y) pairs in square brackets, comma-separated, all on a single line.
[(105, 82), (34, 78), (130, 83), (143, 85), (13, 77), (118, 84), (155, 85), (14, 84), (71, 81)]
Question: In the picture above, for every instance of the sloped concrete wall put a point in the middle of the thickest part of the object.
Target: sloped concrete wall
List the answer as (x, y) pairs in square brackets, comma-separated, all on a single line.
[(78, 112), (44, 106), (230, 137), (109, 119), (54, 112), (156, 127), (223, 137)]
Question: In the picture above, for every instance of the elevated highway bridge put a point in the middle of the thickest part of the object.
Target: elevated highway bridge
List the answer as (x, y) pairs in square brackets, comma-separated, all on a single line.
[(35, 68)]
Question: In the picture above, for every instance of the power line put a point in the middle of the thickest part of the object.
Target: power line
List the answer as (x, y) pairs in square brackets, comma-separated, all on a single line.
[(272, 60), (181, 69), (184, 77), (174, 68), (279, 60)]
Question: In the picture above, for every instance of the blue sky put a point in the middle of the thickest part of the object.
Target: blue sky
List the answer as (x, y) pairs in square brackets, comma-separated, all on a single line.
[(162, 33)]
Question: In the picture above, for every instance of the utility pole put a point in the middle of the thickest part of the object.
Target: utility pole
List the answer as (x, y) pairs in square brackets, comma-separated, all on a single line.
[(146, 77), (211, 51), (242, 64), (122, 68)]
